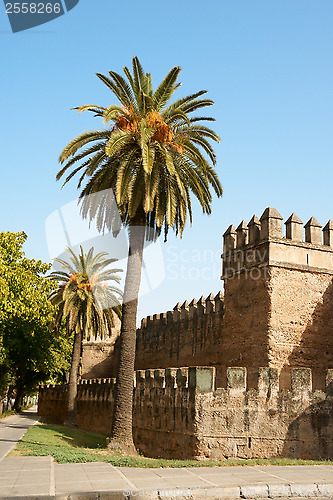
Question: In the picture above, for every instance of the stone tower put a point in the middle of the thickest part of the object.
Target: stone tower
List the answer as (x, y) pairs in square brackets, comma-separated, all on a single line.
[(99, 356), (279, 294)]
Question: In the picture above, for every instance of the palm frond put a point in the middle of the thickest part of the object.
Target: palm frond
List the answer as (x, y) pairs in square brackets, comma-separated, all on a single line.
[(118, 139), (80, 141), (157, 168), (166, 88), (111, 113)]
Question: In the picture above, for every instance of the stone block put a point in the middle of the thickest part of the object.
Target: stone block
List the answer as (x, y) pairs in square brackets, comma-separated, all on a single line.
[(236, 379), (294, 228), (313, 231), (328, 233), (254, 230), (271, 224), (201, 379), (301, 380), (229, 239), (241, 235), (268, 382)]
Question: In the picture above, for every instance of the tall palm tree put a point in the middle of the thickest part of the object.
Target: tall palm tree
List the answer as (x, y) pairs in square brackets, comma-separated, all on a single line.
[(153, 156), (87, 302)]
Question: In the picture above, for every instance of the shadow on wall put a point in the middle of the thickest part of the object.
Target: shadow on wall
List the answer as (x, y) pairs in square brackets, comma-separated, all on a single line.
[(315, 349), (101, 363), (315, 421)]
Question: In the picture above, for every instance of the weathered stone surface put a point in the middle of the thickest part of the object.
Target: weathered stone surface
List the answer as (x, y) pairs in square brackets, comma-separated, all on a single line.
[(192, 338), (276, 313), (187, 417), (99, 357)]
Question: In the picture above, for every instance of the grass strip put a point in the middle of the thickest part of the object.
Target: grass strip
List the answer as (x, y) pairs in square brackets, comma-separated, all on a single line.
[(67, 445)]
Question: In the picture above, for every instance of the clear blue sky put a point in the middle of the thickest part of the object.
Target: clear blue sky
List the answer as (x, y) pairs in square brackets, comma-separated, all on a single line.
[(266, 64)]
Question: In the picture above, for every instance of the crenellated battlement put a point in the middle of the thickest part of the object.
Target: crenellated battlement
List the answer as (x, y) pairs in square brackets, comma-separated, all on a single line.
[(203, 379), (184, 311), (270, 226), (191, 331), (262, 242)]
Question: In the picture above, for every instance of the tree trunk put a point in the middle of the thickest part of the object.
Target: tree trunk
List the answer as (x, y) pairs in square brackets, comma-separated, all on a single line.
[(121, 435), (19, 398), (72, 383)]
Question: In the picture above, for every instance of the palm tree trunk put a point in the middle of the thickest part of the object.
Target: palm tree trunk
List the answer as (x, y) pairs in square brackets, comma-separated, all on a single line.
[(121, 435), (72, 383)]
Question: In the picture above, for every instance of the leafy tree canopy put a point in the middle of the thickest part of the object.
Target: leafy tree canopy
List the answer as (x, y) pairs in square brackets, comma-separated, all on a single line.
[(29, 352)]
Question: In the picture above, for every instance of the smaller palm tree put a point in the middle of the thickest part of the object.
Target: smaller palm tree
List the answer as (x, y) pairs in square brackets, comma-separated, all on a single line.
[(87, 302)]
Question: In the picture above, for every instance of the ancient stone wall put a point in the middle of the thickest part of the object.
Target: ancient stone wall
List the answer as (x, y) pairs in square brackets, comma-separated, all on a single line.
[(99, 359), (100, 356), (180, 413), (278, 295), (163, 412), (190, 335), (301, 322)]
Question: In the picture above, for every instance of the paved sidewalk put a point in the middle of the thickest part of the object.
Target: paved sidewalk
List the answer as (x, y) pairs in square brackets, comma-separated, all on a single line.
[(12, 428), (40, 477)]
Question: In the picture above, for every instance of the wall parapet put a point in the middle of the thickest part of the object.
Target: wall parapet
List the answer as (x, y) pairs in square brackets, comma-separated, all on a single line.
[(185, 311), (203, 379), (180, 412), (269, 226), (261, 243), (191, 331)]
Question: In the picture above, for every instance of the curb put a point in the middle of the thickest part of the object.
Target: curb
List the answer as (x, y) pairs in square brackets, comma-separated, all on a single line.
[(250, 492)]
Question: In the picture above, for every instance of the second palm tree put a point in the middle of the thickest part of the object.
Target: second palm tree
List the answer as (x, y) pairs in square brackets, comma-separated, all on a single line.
[(87, 301)]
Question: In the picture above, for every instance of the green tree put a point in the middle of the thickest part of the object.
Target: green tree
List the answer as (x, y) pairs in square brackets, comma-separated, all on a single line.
[(87, 302), (154, 156), (29, 352)]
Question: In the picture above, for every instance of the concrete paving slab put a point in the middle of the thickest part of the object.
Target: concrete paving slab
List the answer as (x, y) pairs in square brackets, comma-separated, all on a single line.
[(4, 492), (137, 472), (5, 475), (27, 462), (34, 490), (182, 478), (223, 471), (69, 476), (12, 428), (221, 482), (101, 470), (107, 485), (170, 472), (96, 474), (29, 480), (207, 481), (147, 483), (74, 486)]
